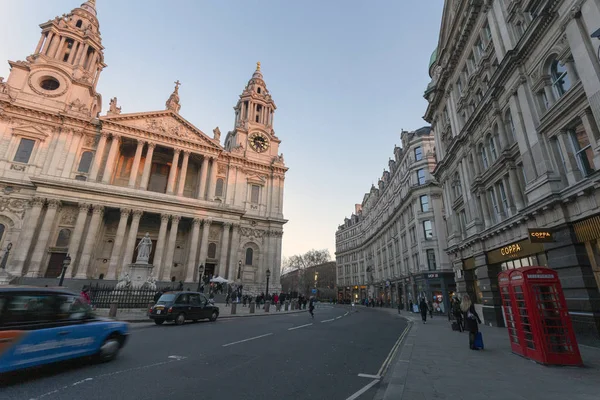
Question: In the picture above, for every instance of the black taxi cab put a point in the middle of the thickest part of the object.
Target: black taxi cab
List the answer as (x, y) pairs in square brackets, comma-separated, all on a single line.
[(45, 325), (179, 307)]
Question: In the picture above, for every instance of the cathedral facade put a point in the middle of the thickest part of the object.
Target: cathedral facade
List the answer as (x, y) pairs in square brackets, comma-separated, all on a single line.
[(79, 182)]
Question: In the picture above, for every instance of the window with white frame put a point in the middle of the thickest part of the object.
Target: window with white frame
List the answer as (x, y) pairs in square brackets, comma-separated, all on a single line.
[(457, 186), (484, 159), (413, 235), (582, 149), (421, 176), (487, 33), (424, 203), (492, 147), (24, 150), (495, 206), (463, 222), (509, 124), (560, 79), (427, 230), (418, 153), (479, 49), (431, 260)]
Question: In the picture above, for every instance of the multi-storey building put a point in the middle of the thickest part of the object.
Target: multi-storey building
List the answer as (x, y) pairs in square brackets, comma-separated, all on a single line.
[(318, 280), (515, 105), (391, 248), (74, 181)]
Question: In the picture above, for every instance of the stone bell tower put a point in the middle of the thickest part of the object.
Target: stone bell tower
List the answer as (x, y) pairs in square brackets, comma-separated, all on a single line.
[(62, 73), (254, 113)]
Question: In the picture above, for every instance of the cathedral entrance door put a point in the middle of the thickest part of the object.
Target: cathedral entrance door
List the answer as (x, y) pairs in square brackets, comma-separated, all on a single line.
[(55, 265), (159, 178), (209, 270)]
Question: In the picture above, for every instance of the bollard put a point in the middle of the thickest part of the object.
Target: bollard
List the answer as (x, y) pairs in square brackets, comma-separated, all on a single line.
[(267, 305), (278, 306), (112, 313), (287, 305), (233, 308), (252, 307)]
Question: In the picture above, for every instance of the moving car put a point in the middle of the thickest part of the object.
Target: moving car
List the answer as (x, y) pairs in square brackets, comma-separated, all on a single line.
[(44, 325), (182, 306)]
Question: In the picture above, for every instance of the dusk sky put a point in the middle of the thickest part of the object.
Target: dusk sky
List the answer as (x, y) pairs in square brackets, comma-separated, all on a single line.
[(346, 77)]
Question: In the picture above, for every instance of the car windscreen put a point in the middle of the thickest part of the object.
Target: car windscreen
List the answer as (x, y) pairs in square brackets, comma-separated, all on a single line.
[(166, 298)]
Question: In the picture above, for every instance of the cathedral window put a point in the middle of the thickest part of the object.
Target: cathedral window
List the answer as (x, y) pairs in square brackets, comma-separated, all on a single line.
[(79, 23), (85, 162), (24, 151), (249, 256), (258, 90), (64, 237), (49, 83), (219, 188), (212, 250), (255, 194)]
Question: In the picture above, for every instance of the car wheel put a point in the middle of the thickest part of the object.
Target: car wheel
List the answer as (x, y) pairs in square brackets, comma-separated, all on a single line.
[(180, 320), (213, 316), (109, 349), (159, 321)]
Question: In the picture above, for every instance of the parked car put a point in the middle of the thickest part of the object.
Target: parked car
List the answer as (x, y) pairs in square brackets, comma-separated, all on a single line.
[(182, 306), (44, 325)]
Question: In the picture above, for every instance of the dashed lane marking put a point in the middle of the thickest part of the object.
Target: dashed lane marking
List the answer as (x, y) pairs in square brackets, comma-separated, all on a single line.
[(247, 340), (328, 320), (298, 327), (338, 317)]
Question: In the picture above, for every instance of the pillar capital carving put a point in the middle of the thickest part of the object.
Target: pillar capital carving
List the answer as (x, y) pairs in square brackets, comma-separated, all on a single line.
[(227, 225), (116, 136), (84, 207), (104, 135), (176, 151), (186, 153), (175, 218), (141, 143), (196, 221), (207, 221), (137, 214), (151, 145), (164, 218), (97, 209), (37, 202), (125, 212), (53, 203)]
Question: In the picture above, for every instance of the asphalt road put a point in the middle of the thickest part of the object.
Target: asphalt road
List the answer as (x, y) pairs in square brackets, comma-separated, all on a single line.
[(275, 357)]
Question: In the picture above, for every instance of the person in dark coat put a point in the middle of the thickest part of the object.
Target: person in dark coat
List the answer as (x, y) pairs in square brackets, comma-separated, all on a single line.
[(471, 319), (410, 304), (457, 313), (423, 308)]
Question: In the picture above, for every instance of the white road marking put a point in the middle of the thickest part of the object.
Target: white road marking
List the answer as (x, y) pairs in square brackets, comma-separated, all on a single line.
[(392, 352), (178, 358), (328, 320), (298, 327), (338, 317), (364, 389), (369, 376), (247, 340), (346, 313)]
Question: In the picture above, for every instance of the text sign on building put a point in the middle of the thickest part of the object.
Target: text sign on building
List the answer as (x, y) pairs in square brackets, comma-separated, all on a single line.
[(433, 275), (540, 236)]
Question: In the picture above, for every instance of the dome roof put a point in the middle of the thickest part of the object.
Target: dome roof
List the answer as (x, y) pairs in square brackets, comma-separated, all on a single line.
[(432, 60)]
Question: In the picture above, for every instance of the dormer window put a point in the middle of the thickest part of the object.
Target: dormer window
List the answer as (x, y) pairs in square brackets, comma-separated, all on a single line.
[(79, 23)]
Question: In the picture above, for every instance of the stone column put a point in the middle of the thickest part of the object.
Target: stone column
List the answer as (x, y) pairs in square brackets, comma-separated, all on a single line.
[(73, 51), (41, 244), (82, 54), (26, 236), (147, 166), (171, 246), (213, 179), (98, 157), (133, 231), (221, 269), (515, 188), (115, 257), (47, 43), (204, 242), (136, 164), (504, 140), (60, 46), (572, 170), (203, 175), (235, 238), (277, 265), (113, 153), (191, 264), (182, 175), (39, 46), (93, 61), (90, 241), (76, 237), (160, 245), (173, 171)]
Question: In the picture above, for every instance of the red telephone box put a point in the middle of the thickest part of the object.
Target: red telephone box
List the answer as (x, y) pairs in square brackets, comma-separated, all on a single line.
[(538, 321)]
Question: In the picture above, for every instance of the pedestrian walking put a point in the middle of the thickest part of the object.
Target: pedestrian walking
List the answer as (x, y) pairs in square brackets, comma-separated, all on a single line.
[(227, 298), (430, 307), (423, 309), (457, 312), (411, 305), (85, 296), (471, 318), (311, 307)]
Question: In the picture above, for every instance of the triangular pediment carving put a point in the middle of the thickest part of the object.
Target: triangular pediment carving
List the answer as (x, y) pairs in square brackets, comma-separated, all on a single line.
[(163, 123), (32, 131)]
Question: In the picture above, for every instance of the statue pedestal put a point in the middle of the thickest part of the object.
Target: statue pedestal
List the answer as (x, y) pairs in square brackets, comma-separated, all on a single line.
[(139, 276)]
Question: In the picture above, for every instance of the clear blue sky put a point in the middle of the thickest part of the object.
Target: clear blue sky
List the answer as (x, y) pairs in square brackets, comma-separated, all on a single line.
[(346, 76)]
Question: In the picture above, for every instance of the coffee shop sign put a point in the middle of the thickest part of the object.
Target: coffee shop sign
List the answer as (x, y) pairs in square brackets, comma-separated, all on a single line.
[(512, 249)]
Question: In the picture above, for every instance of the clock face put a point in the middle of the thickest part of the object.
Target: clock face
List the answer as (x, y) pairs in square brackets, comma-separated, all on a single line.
[(259, 142)]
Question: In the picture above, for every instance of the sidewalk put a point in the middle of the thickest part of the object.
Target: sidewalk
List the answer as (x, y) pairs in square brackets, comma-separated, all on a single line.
[(436, 363), (140, 315)]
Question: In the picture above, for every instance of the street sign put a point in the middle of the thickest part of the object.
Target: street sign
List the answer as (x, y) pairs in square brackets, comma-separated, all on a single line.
[(314, 291)]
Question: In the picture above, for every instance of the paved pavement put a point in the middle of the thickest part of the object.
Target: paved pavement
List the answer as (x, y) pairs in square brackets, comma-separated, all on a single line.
[(286, 356), (140, 315), (436, 363)]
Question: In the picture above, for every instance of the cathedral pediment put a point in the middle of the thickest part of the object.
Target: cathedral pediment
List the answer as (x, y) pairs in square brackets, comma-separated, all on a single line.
[(31, 131), (163, 123)]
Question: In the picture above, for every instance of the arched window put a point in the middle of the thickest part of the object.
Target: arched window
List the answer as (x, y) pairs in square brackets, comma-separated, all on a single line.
[(2, 229), (212, 250), (79, 23), (249, 256), (510, 125), (85, 162), (64, 237), (219, 188), (560, 80), (484, 159), (492, 147)]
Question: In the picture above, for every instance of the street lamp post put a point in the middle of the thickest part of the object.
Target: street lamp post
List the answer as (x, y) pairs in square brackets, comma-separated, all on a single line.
[(268, 276), (239, 274), (66, 263), (5, 258), (200, 274)]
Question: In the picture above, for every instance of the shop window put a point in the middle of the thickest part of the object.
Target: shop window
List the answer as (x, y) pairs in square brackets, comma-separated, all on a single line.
[(582, 149), (85, 162), (24, 150), (431, 260), (424, 203), (64, 237), (249, 256), (212, 250), (427, 230)]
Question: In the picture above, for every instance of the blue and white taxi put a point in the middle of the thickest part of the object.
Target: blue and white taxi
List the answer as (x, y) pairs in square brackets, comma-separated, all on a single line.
[(44, 325)]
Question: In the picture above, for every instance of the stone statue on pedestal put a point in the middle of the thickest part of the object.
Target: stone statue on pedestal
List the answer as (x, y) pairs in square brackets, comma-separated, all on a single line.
[(144, 248)]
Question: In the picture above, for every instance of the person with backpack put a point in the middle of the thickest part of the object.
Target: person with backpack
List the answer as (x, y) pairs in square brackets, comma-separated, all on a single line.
[(472, 320)]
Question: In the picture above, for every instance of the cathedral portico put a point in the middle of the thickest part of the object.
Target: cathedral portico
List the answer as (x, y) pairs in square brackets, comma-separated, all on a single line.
[(89, 185)]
